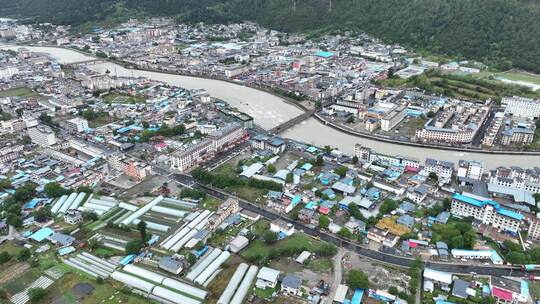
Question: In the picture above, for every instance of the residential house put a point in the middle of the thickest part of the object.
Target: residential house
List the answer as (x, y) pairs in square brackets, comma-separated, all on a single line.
[(291, 284), (267, 278)]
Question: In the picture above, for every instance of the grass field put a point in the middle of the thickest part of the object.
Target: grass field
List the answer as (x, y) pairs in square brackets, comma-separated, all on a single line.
[(515, 75), (106, 293), (123, 98), (20, 92), (11, 248), (534, 287), (320, 265), (468, 87), (295, 244), (101, 120), (245, 192)]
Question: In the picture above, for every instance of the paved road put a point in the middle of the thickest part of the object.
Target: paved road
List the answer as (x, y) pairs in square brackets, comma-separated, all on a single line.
[(494, 270)]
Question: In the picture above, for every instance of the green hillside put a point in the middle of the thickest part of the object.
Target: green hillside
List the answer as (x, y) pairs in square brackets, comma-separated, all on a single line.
[(501, 33)]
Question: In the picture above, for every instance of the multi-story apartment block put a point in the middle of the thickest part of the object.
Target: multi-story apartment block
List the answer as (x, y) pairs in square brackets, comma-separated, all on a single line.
[(13, 125), (130, 167), (521, 106), (229, 207), (534, 229), (516, 177), (42, 135), (393, 117), (217, 141), (367, 155), (470, 169), (443, 169), (10, 153), (486, 211), (518, 135), (457, 125), (77, 125)]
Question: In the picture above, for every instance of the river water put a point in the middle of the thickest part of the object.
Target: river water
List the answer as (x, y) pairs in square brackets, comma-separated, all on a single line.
[(269, 110)]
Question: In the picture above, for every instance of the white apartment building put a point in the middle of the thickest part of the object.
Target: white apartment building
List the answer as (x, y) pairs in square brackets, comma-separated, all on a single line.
[(193, 155), (42, 135), (443, 169), (223, 137), (487, 211), (77, 125), (217, 141), (394, 117), (517, 178), (8, 72), (432, 134), (366, 154), (534, 229), (521, 106), (470, 169)]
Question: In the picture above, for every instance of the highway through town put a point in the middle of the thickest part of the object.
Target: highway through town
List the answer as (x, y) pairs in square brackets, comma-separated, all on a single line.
[(494, 270)]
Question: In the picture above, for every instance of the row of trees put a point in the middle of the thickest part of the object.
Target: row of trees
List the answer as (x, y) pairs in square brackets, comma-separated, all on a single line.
[(164, 131), (223, 181)]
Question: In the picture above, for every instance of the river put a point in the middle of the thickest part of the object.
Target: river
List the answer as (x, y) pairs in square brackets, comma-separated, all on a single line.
[(269, 110)]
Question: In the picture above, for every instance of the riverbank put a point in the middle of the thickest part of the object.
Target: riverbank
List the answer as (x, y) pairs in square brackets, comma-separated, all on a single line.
[(420, 145), (130, 66), (269, 111)]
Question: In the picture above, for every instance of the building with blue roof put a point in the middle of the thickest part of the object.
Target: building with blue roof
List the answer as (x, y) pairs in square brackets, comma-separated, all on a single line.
[(357, 296), (42, 234), (487, 211), (324, 54)]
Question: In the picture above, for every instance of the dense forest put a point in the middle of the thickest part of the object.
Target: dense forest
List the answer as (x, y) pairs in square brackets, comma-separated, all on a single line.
[(499, 32)]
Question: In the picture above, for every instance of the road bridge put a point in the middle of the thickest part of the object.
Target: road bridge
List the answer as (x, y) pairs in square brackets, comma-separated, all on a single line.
[(292, 122), (85, 62)]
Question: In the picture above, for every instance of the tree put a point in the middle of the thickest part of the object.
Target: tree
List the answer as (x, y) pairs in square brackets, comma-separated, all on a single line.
[(289, 179), (341, 171), (271, 168), (36, 295), (344, 232), (14, 220), (54, 190), (92, 244), (354, 211), (99, 280), (90, 216), (134, 246), (141, 226), (269, 237), (5, 184), (319, 161), (4, 257), (433, 176), (84, 189), (324, 221), (431, 114), (537, 195), (191, 258), (355, 160), (4, 295), (24, 255), (44, 118), (24, 193), (357, 279), (388, 206)]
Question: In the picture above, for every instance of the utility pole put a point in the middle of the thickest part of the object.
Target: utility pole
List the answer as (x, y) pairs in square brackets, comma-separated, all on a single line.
[(329, 6), (294, 6)]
